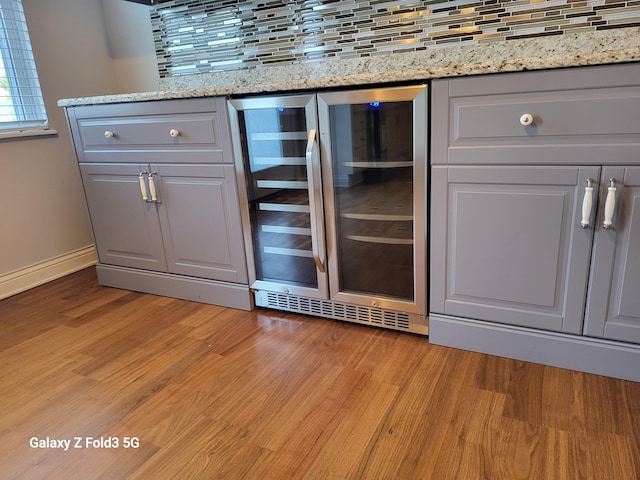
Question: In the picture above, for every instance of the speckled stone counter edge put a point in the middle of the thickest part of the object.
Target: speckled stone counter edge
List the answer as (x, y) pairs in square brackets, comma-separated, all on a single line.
[(579, 49)]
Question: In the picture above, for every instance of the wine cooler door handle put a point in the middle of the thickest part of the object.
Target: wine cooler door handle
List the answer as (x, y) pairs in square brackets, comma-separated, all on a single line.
[(143, 187), (587, 204), (609, 205), (315, 204)]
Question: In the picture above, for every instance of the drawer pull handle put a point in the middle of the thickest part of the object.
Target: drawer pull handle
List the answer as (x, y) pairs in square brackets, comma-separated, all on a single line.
[(174, 133), (109, 134), (609, 205), (143, 187), (526, 119), (587, 203)]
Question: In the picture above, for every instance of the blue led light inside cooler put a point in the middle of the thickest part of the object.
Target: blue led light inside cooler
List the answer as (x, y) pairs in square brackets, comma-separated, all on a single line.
[(374, 104)]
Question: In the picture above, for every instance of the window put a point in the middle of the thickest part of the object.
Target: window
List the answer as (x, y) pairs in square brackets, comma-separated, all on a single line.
[(21, 105)]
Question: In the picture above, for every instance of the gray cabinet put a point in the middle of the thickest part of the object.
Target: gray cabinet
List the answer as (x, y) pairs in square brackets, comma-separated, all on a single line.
[(126, 229), (199, 219), (535, 217), (613, 306), (162, 196), (578, 116), (508, 246), (188, 230)]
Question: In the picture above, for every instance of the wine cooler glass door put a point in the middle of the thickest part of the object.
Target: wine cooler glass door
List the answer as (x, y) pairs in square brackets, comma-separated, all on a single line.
[(281, 167), (373, 146)]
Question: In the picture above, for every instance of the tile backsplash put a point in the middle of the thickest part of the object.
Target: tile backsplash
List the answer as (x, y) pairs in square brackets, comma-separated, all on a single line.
[(203, 36)]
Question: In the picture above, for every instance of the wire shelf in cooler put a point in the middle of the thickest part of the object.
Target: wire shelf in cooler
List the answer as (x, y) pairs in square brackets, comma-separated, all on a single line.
[(284, 224), (279, 161), (287, 184), (392, 202), (278, 136), (383, 240), (378, 164), (292, 201), (285, 229), (292, 252)]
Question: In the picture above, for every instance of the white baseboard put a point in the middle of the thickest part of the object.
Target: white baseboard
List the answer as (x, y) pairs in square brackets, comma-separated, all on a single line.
[(43, 272)]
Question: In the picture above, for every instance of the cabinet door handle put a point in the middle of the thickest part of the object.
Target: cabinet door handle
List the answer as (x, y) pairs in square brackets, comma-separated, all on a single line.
[(174, 133), (152, 188), (587, 204), (315, 196), (143, 187), (609, 205)]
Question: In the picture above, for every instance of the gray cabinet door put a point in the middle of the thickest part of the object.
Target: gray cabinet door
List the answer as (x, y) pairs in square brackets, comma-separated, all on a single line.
[(126, 228), (613, 306), (200, 219), (507, 244)]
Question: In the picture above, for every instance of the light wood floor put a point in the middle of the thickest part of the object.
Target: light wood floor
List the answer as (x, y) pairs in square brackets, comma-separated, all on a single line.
[(218, 393)]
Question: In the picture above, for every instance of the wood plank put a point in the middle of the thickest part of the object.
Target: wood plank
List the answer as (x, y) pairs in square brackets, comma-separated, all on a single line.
[(212, 392)]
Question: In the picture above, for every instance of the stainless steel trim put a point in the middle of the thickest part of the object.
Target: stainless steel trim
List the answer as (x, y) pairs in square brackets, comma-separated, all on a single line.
[(278, 101), (280, 287), (368, 95), (367, 315), (235, 108), (418, 95)]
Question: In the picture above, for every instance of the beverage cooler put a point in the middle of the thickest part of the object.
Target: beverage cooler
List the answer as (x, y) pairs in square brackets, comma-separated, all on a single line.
[(334, 193)]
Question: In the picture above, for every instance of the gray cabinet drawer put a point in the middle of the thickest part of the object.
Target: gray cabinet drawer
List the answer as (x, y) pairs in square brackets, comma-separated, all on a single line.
[(138, 132), (478, 120), (151, 130)]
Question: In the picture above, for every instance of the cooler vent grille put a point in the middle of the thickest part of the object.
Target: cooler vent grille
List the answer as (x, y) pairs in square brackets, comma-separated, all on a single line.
[(337, 310)]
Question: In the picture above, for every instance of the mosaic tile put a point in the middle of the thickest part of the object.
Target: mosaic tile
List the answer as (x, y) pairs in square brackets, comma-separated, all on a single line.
[(207, 36)]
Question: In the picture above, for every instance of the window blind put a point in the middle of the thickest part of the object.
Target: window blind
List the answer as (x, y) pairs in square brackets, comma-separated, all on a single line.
[(21, 103)]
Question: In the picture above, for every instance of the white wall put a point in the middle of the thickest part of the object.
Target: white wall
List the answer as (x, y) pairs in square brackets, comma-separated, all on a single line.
[(44, 225), (131, 47)]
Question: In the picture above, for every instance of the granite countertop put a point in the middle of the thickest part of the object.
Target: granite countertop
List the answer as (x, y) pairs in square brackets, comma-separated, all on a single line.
[(575, 49)]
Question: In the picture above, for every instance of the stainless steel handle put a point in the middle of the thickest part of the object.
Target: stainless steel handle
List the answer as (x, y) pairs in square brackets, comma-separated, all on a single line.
[(587, 204), (315, 205), (609, 205), (152, 188), (143, 187)]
